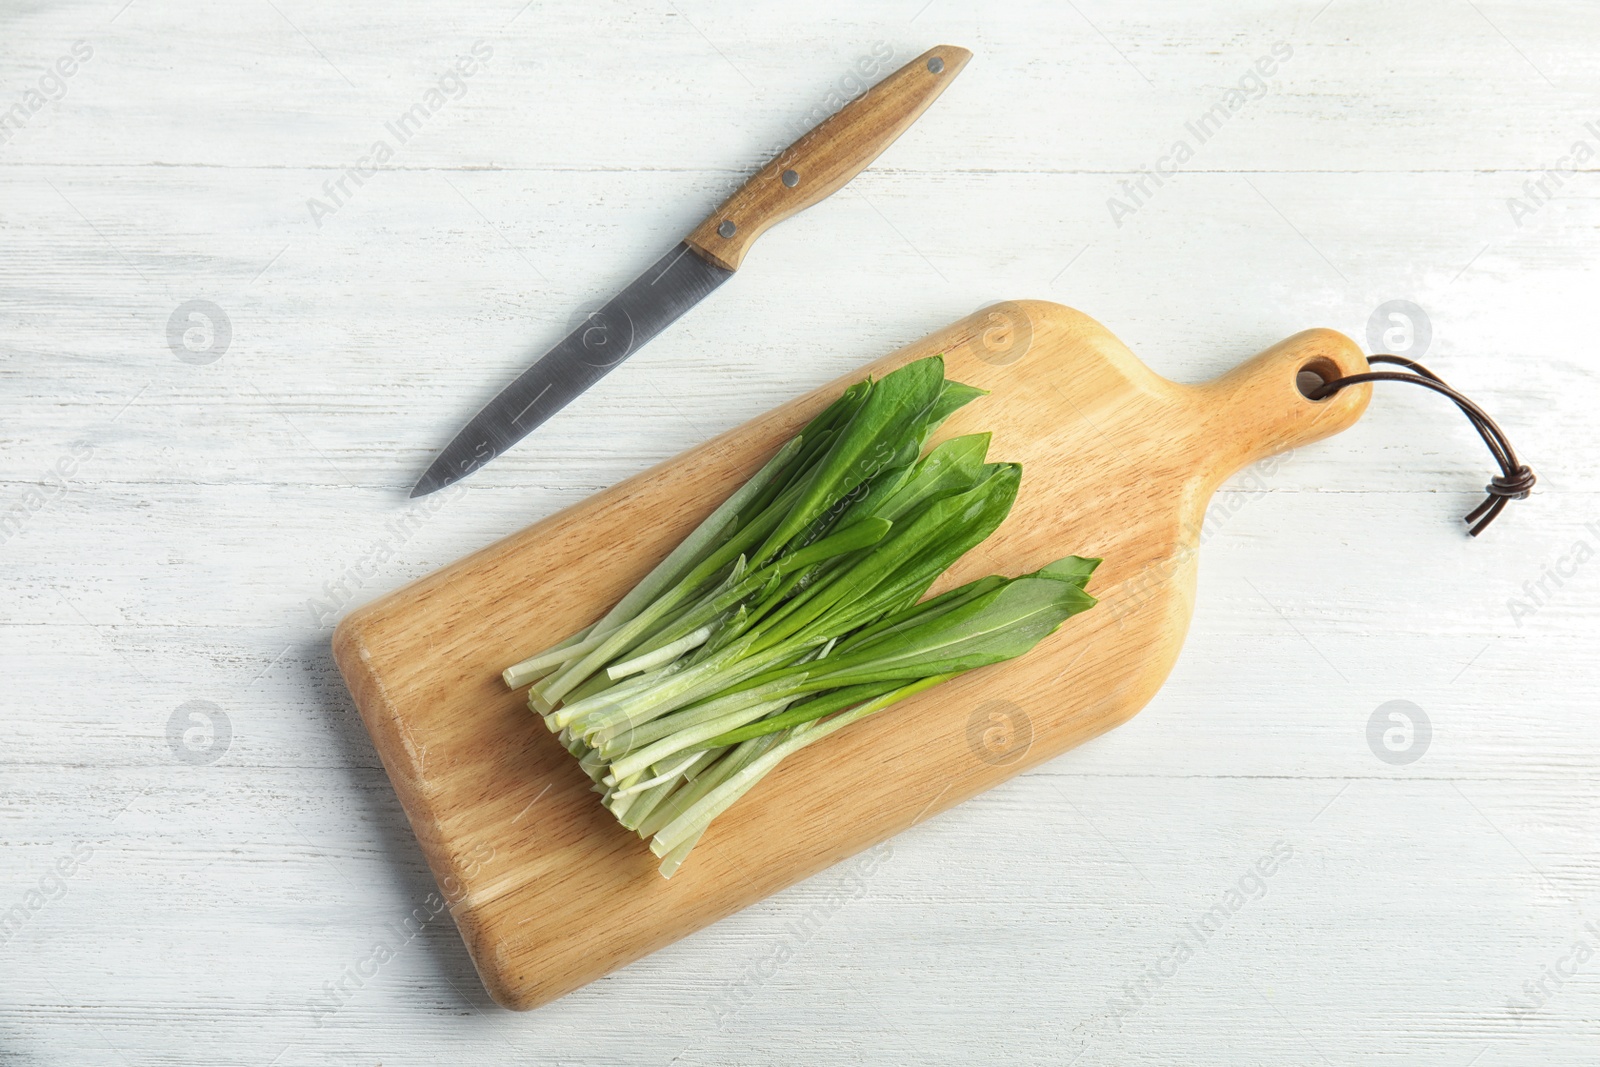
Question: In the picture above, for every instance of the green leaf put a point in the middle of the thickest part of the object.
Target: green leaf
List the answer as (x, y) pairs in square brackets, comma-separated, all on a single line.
[(713, 531), (955, 525), (1074, 569), (950, 467), (922, 611), (997, 626), (916, 550), (820, 431), (868, 444), (861, 535), (816, 708), (953, 396)]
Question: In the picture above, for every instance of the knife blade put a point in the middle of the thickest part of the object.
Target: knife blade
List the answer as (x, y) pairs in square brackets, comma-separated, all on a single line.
[(820, 163), (677, 282)]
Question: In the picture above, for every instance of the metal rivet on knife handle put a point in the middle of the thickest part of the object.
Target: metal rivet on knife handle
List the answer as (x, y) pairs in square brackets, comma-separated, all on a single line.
[(727, 229), (829, 156)]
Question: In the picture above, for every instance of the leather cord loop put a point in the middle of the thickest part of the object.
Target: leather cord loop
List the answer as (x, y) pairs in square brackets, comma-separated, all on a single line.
[(1515, 479)]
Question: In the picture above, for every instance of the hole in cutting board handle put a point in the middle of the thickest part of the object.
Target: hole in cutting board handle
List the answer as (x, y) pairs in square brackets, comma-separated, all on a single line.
[(1260, 407), (1314, 374)]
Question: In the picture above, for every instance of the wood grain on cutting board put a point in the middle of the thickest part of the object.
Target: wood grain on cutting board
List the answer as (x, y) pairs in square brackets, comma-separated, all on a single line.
[(550, 893)]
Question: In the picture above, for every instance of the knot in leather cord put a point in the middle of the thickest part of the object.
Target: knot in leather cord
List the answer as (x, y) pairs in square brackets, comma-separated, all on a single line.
[(1515, 479)]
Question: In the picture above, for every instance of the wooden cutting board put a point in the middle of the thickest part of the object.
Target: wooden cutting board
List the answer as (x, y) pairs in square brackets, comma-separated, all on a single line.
[(550, 893)]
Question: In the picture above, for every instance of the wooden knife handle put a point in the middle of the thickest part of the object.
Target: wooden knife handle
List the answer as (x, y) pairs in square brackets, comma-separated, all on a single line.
[(821, 162)]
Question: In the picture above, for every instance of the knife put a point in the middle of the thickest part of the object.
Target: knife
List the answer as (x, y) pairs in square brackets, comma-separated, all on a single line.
[(818, 164)]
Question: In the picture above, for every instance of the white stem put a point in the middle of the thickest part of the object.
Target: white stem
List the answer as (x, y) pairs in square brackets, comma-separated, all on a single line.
[(612, 642), (664, 654), (679, 799), (520, 674), (721, 671), (636, 762), (651, 783), (652, 800), (675, 858), (699, 544), (618, 741), (592, 765), (619, 805), (652, 598), (699, 814)]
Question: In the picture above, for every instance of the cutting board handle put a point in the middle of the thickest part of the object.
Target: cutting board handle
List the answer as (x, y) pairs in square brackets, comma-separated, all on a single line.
[(1258, 410)]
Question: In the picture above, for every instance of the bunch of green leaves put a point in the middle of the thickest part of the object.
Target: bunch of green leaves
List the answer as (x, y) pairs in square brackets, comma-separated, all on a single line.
[(796, 608)]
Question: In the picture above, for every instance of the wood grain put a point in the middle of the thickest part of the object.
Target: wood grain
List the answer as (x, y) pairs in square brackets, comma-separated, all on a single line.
[(178, 561), (821, 162), (1117, 462)]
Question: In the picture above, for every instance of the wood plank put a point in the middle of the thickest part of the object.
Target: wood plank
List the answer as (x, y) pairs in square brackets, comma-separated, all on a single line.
[(177, 565)]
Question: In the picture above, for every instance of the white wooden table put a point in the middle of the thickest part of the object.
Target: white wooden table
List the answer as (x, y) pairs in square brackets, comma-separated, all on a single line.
[(201, 852)]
